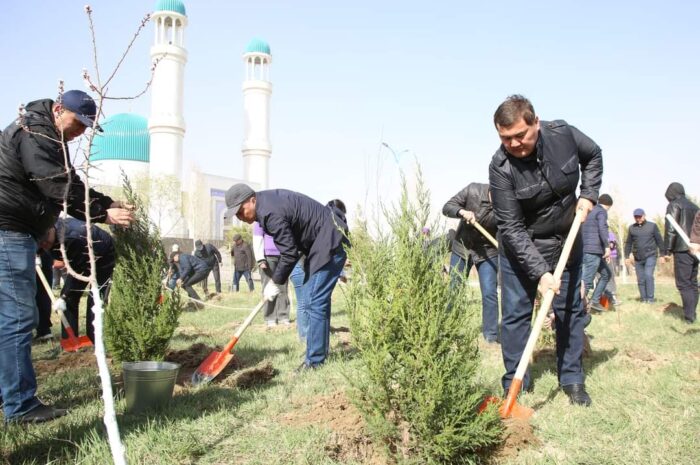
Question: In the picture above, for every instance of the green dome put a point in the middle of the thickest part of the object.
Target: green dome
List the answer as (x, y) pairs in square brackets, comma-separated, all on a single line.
[(258, 46), (125, 137), (171, 5)]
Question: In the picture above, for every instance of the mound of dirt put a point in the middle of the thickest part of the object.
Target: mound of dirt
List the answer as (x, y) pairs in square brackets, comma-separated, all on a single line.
[(67, 361), (246, 378), (190, 359), (348, 440), (518, 436)]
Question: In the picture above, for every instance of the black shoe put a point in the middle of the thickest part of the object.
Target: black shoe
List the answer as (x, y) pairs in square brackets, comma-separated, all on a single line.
[(40, 414), (577, 394), (304, 367)]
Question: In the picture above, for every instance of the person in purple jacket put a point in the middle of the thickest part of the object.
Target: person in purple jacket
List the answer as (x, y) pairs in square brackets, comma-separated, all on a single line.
[(277, 310), (299, 225)]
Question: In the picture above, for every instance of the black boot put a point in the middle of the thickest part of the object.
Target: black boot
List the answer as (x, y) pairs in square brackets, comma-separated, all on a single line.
[(577, 394)]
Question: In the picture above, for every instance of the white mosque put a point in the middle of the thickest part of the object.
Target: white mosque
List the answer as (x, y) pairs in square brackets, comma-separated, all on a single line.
[(190, 207)]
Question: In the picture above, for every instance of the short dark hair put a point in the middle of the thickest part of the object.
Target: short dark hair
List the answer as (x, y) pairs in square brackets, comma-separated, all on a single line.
[(512, 109), (339, 204)]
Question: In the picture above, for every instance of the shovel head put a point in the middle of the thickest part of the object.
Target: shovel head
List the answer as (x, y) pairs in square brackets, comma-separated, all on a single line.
[(73, 344), (510, 407), (211, 367)]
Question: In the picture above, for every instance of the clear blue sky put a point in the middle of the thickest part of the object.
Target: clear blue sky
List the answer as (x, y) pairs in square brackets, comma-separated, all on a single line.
[(422, 76)]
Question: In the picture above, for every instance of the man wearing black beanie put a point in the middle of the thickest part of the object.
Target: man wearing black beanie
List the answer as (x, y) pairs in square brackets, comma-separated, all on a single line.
[(596, 251)]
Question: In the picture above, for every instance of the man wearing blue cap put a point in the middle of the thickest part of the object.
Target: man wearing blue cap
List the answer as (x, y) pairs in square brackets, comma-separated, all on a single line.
[(36, 176), (643, 241)]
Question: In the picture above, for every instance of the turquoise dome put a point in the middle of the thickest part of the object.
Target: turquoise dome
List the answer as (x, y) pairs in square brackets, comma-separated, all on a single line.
[(258, 46), (125, 137), (171, 5)]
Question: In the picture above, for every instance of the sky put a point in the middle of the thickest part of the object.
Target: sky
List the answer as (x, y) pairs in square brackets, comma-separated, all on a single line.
[(423, 77)]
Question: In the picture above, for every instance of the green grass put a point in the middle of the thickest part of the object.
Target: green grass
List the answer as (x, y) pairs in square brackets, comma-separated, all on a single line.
[(643, 376)]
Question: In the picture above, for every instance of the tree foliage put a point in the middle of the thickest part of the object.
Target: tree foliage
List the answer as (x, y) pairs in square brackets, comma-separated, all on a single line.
[(418, 344), (140, 319)]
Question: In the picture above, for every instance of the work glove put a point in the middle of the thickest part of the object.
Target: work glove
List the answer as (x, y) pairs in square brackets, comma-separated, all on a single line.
[(59, 305), (271, 291)]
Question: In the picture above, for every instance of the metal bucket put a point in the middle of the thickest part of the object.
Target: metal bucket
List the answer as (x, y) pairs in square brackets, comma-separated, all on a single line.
[(148, 384)]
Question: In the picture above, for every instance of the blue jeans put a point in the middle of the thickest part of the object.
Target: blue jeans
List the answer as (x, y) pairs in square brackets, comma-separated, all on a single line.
[(645, 277), (517, 300), (488, 282), (317, 292), (297, 279), (18, 317), (459, 269), (593, 264), (237, 279)]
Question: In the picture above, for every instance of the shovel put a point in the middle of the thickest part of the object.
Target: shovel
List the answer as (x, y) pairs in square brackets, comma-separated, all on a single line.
[(217, 361), (71, 343), (485, 233), (680, 232), (510, 407)]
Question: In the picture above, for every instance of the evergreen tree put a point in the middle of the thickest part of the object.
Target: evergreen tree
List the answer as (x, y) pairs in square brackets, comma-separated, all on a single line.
[(418, 343), (140, 319)]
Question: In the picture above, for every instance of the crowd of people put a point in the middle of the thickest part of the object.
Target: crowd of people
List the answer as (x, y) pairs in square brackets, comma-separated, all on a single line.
[(511, 230)]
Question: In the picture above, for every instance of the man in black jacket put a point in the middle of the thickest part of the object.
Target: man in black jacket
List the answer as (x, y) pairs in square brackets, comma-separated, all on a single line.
[(191, 270), (211, 255), (36, 175), (643, 240), (243, 262), (685, 264), (533, 179), (473, 203), (299, 225)]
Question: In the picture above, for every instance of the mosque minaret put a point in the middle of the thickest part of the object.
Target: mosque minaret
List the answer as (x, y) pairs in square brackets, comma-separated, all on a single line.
[(257, 90)]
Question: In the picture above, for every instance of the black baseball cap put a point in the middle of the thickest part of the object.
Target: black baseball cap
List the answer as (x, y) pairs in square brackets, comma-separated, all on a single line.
[(82, 105), (236, 195)]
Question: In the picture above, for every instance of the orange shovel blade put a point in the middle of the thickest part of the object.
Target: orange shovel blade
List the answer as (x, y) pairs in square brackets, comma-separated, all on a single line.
[(72, 343), (510, 407), (211, 367)]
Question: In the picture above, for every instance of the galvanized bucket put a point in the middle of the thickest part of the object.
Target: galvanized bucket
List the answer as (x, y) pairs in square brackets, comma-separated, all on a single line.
[(148, 384)]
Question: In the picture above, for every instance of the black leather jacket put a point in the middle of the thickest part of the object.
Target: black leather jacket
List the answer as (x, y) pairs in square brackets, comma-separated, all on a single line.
[(474, 198), (33, 178), (535, 197), (683, 211)]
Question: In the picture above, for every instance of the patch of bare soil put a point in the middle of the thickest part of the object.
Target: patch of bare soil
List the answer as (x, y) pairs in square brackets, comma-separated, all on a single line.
[(67, 361), (348, 440), (190, 359), (246, 378), (518, 435), (644, 358)]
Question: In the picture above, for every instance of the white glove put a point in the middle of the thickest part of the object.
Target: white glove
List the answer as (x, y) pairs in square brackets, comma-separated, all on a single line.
[(271, 291), (59, 305)]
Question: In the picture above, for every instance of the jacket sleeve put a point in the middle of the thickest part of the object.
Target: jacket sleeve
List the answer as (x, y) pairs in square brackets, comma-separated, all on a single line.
[(628, 243), (43, 160), (185, 268), (511, 225), (455, 204), (591, 161), (252, 256), (217, 254), (695, 230), (659, 240), (603, 229), (670, 234), (281, 232)]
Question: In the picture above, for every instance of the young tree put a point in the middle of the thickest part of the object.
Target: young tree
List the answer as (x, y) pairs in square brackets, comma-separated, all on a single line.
[(418, 343)]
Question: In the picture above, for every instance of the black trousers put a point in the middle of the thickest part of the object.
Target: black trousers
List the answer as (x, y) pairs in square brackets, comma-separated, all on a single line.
[(685, 269), (217, 281), (197, 277)]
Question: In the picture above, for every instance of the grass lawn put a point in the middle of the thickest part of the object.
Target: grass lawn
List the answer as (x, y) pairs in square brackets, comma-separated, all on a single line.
[(643, 375)]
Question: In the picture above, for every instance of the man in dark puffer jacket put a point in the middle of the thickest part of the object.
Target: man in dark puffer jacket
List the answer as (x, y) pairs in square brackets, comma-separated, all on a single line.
[(36, 175), (685, 264)]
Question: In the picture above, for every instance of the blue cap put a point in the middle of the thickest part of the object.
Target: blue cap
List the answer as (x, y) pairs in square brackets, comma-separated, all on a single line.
[(82, 105), (638, 212)]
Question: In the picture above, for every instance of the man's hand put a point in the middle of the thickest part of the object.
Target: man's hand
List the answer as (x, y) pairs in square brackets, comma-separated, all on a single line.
[(178, 283), (468, 216), (606, 254), (120, 204), (119, 216), (547, 282), (628, 262), (586, 205), (271, 291), (694, 248)]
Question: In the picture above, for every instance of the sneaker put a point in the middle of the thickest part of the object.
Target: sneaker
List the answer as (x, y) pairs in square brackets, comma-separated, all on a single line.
[(615, 300), (596, 307), (285, 322), (271, 323), (40, 414), (44, 337)]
